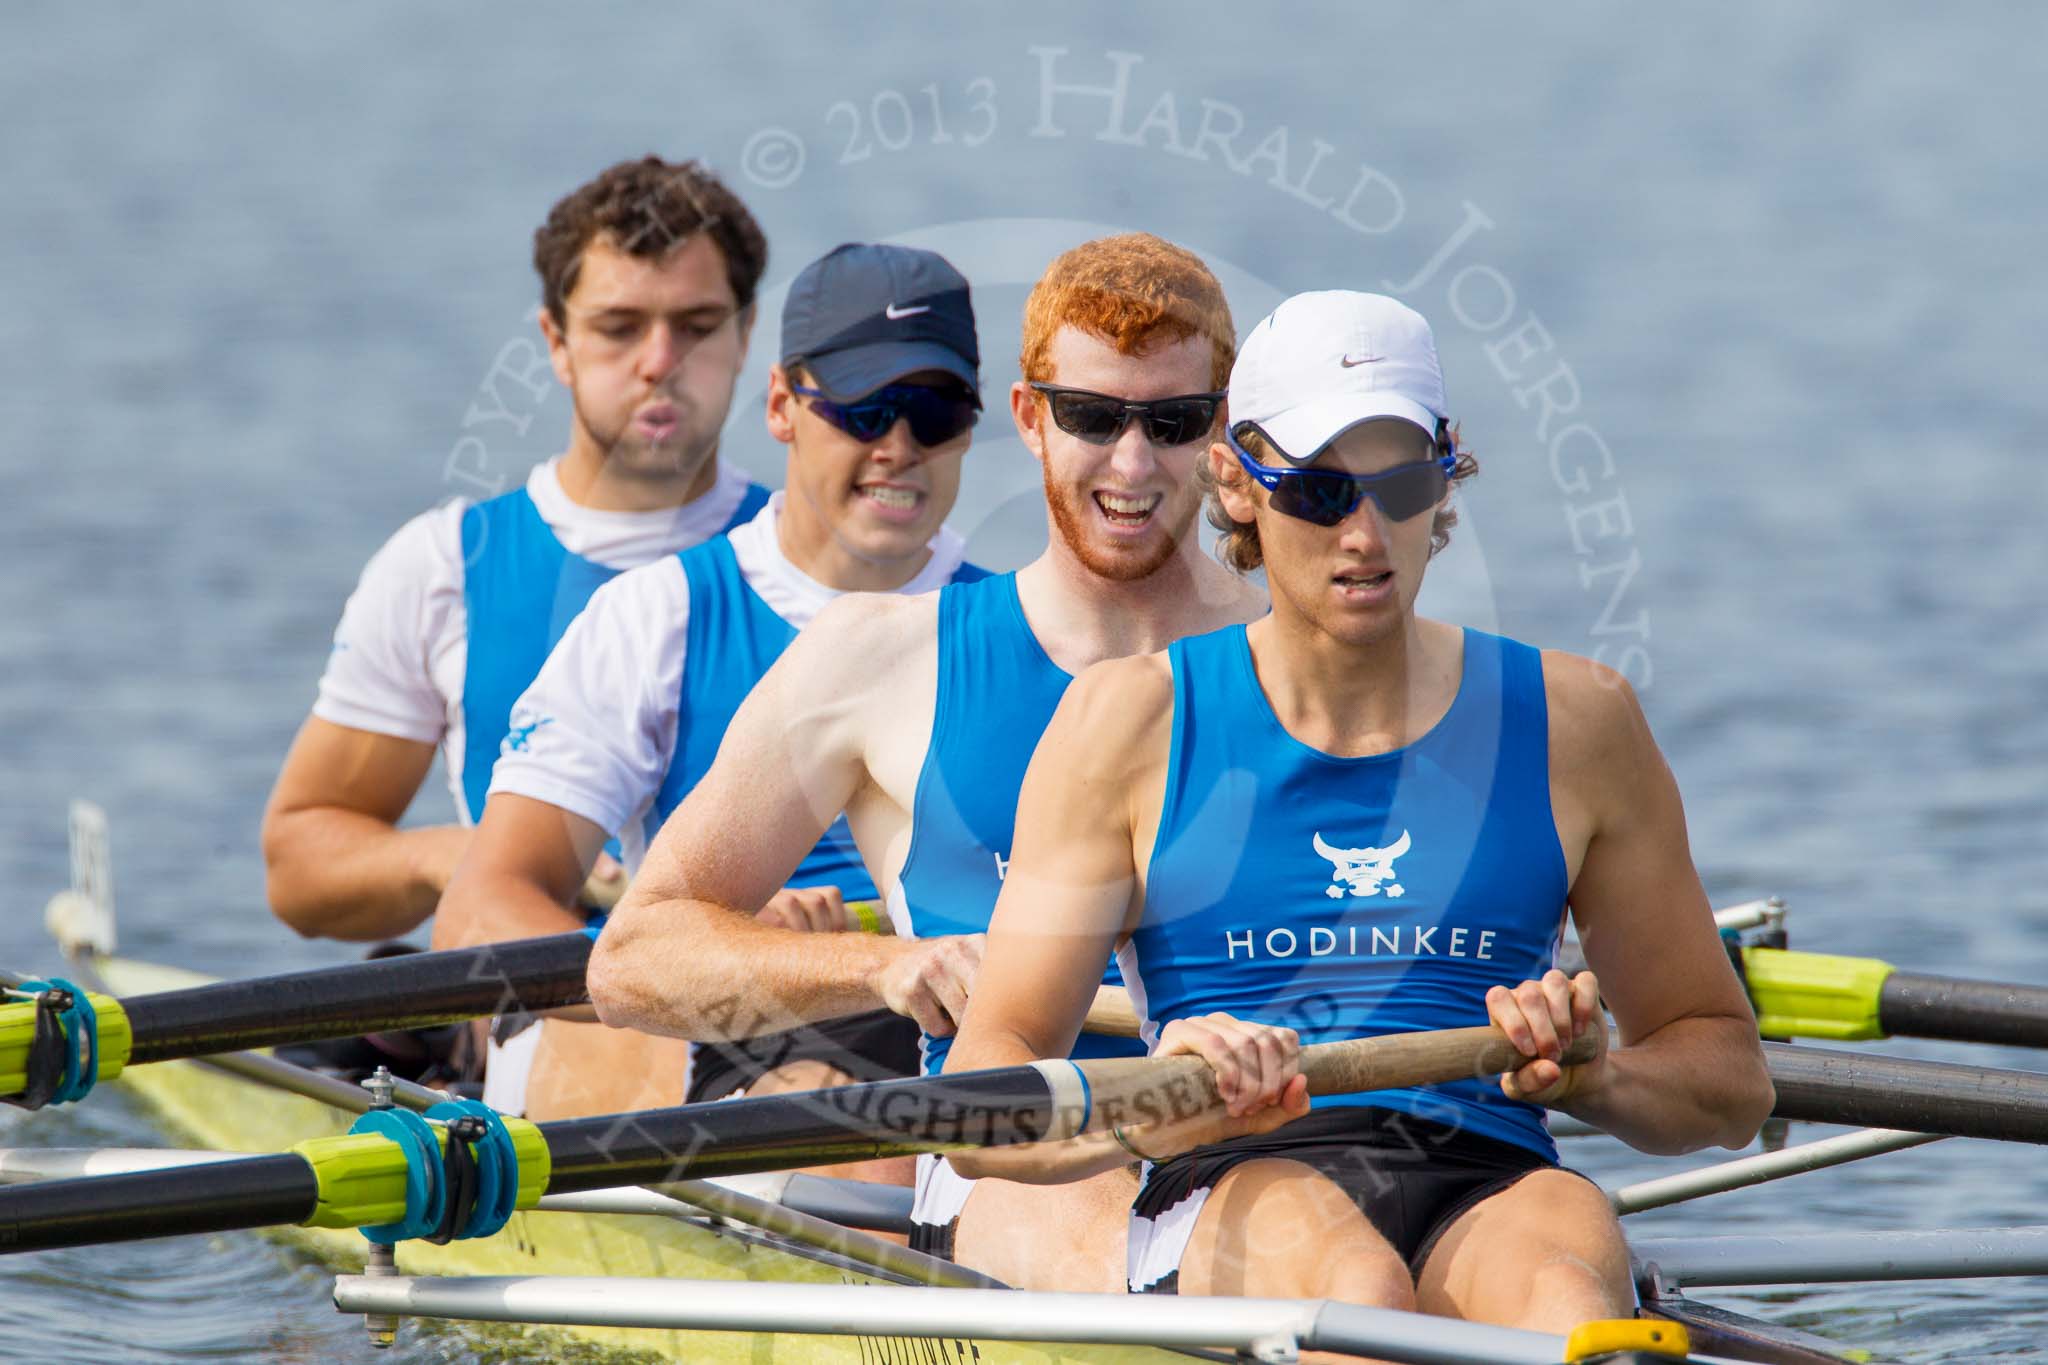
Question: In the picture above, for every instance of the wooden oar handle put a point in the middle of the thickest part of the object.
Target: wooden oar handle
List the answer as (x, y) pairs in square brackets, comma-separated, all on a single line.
[(1403, 1059), (1111, 1014), (1147, 1089), (602, 888)]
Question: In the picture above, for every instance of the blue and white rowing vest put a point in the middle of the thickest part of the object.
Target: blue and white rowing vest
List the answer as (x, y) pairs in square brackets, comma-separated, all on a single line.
[(732, 638), (521, 588), (1342, 897), (997, 690)]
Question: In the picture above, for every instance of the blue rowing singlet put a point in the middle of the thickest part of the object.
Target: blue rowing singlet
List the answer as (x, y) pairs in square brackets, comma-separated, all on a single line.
[(732, 638), (521, 588), (1342, 897), (997, 690)]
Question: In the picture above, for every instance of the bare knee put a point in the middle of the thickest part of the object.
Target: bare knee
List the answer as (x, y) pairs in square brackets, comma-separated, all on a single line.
[(1379, 1281), (1546, 1254), (1067, 1238), (1561, 1292)]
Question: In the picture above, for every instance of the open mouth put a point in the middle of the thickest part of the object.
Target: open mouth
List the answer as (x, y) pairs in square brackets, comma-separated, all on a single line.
[(1126, 511), (1364, 583), (891, 499)]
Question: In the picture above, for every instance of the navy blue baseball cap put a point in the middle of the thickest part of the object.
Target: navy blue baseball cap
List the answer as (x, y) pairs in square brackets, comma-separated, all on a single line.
[(864, 315)]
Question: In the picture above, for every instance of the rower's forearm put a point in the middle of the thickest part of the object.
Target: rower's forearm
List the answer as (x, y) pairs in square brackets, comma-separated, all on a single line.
[(1043, 1163), (985, 1046), (335, 873), (1695, 1083), (691, 969)]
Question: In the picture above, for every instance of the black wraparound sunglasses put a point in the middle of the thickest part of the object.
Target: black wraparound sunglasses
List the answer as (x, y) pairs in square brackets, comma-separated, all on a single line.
[(1099, 418)]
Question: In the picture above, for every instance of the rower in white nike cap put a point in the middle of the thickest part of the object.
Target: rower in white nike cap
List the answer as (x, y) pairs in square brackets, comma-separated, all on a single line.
[(1345, 820)]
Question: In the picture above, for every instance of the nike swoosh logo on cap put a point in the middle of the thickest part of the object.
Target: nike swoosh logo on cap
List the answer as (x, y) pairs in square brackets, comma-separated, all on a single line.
[(895, 314), (1351, 360)]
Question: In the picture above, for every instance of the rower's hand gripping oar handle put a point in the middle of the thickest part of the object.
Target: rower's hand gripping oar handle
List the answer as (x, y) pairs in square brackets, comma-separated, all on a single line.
[(1110, 1015), (1148, 1089)]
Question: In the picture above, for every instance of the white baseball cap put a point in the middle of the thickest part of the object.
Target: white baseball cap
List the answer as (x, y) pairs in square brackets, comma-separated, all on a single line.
[(1323, 362)]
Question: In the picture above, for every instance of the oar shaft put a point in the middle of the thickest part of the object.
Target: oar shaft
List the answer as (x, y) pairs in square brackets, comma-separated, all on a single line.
[(254, 1192), (1853, 999), (1820, 1085), (977, 1109), (1914, 1005), (419, 990), (807, 1128)]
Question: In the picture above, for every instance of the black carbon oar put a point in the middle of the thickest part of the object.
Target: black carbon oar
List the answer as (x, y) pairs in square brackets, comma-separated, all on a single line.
[(360, 1179), (1862, 999), (1911, 1004), (1821, 1085), (1820, 995), (417, 990)]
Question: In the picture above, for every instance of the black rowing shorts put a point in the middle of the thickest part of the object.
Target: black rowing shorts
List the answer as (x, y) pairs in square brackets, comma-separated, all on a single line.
[(878, 1046), (1410, 1177)]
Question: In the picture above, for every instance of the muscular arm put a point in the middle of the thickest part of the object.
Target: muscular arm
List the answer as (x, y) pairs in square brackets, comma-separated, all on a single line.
[(1689, 1071), (1072, 877), (683, 953), (525, 863), (336, 864), (1066, 897)]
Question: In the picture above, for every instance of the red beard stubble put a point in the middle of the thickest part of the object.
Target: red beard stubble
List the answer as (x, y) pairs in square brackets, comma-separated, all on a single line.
[(1128, 566)]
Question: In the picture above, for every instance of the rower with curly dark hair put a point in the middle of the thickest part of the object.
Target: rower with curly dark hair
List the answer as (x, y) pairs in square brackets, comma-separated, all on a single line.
[(647, 283)]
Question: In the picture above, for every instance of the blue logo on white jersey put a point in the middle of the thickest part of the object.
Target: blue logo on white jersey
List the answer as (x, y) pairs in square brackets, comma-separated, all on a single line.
[(516, 738)]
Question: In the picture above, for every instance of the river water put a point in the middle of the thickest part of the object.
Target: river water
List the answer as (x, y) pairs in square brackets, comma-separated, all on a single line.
[(1733, 306)]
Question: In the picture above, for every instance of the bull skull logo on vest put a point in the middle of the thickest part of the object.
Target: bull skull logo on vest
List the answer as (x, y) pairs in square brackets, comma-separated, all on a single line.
[(1362, 871)]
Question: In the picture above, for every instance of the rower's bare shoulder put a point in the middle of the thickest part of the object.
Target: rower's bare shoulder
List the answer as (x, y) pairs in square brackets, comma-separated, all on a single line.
[(864, 642), (1118, 711), (1599, 737), (878, 613)]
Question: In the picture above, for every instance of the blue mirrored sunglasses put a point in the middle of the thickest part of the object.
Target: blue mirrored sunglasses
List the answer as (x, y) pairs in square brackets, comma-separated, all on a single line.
[(1327, 496), (936, 415)]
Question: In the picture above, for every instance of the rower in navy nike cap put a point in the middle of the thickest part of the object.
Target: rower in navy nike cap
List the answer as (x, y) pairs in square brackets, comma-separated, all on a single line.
[(876, 398)]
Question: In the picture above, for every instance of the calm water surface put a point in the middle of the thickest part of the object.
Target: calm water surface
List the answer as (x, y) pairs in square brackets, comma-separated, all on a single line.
[(259, 268)]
